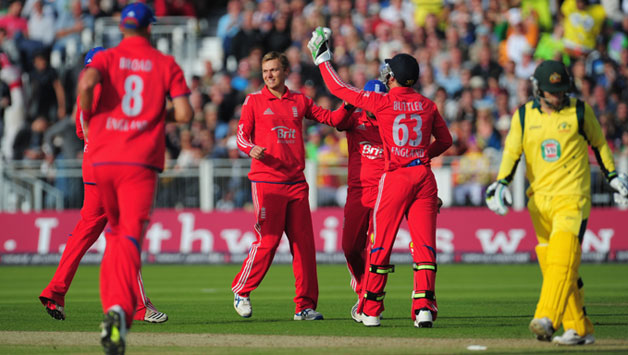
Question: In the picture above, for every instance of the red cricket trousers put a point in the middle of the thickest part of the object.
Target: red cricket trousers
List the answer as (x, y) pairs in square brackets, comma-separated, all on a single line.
[(358, 212), (84, 235), (409, 191), (127, 193), (281, 208)]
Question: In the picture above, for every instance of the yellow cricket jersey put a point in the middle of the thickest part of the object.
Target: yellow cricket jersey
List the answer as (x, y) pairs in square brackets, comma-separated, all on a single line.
[(555, 148)]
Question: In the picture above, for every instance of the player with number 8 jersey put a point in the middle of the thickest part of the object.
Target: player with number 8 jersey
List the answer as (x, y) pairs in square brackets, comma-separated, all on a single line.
[(407, 120), (127, 146), (138, 77)]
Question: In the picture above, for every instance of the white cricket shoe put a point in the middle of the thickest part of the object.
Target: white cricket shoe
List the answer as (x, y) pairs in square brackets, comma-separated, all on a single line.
[(152, 315), (113, 331), (354, 313), (571, 337), (308, 314), (242, 305), (370, 321), (423, 318), (543, 328)]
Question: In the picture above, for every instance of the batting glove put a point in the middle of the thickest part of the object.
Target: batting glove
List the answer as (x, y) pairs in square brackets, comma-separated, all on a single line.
[(319, 45), (619, 183), (498, 197)]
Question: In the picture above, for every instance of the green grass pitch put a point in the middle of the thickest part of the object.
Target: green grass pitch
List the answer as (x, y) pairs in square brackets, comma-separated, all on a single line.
[(480, 302)]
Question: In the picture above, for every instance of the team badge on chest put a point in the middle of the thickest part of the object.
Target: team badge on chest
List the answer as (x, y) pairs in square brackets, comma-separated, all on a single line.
[(550, 149)]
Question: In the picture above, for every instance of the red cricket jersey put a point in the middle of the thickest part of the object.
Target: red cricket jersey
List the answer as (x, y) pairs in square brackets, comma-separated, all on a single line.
[(366, 153), (406, 119), (127, 126), (277, 125)]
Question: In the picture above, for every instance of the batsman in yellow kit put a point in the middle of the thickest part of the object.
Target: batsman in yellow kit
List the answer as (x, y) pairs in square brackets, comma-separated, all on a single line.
[(554, 131)]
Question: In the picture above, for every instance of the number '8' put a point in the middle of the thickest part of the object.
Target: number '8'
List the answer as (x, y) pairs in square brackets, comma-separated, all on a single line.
[(132, 101)]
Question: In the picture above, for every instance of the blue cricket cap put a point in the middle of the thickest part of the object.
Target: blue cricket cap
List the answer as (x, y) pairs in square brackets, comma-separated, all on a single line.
[(136, 15), (90, 55), (375, 86)]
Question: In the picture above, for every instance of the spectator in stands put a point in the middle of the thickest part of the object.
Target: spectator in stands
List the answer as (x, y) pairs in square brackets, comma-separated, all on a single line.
[(174, 8), (12, 110), (229, 25), (247, 38), (41, 21), (278, 38), (426, 82), (12, 21), (602, 105), (525, 68), (583, 23), (472, 175), (486, 66), (522, 37), (486, 135), (94, 9), (9, 47), (189, 156), (422, 8), (621, 118), (399, 10), (47, 96), (551, 46), (61, 143), (29, 141), (69, 26)]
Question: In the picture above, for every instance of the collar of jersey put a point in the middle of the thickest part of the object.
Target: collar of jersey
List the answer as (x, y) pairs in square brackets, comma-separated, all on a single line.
[(134, 41), (269, 95), (537, 104)]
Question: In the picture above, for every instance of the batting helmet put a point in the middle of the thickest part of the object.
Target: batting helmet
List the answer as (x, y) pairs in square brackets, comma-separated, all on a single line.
[(403, 67)]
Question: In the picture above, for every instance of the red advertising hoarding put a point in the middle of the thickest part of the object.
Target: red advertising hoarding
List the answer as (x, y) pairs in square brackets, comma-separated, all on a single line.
[(190, 236)]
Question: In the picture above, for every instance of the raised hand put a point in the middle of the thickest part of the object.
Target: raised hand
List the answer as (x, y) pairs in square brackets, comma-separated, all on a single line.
[(319, 45)]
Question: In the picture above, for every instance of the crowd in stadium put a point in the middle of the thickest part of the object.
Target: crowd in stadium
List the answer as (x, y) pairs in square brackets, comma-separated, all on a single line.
[(475, 56)]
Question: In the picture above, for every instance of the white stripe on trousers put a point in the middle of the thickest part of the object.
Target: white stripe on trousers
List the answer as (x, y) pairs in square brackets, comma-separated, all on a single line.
[(140, 284), (251, 257), (379, 197)]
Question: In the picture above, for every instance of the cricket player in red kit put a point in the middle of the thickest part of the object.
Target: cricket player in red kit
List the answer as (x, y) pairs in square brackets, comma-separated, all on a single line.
[(366, 166), (85, 234), (270, 131), (407, 120), (127, 148)]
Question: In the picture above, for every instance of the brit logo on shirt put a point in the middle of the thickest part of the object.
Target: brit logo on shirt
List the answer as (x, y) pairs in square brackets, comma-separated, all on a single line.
[(550, 150), (295, 113), (285, 134), (371, 151)]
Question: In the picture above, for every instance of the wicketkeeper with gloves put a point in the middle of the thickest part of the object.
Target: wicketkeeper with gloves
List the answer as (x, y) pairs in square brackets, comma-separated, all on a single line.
[(406, 121), (554, 132)]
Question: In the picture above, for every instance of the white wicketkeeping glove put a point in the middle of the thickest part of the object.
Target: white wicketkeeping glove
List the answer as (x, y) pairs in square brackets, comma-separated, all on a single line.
[(619, 183), (319, 45), (498, 197)]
